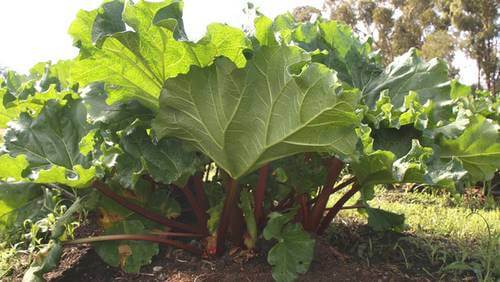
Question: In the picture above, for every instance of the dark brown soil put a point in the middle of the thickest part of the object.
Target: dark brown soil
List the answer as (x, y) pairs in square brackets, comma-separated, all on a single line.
[(81, 263)]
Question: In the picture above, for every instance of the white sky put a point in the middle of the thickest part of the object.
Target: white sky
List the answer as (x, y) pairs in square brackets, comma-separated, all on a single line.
[(35, 30)]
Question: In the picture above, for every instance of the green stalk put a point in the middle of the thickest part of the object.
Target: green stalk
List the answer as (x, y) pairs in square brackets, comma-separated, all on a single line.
[(250, 237)]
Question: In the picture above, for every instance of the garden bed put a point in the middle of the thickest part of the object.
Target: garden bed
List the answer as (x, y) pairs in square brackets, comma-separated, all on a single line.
[(331, 262), (83, 264)]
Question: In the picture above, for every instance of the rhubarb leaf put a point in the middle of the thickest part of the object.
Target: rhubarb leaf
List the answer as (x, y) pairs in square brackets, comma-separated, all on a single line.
[(244, 118), (128, 255), (478, 148), (135, 63), (381, 220), (18, 201), (51, 144), (293, 252), (11, 169), (410, 73), (165, 161)]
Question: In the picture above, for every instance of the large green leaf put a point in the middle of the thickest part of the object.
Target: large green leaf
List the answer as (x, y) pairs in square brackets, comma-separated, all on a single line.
[(417, 118), (115, 117), (12, 168), (411, 167), (13, 197), (419, 165), (136, 63), (293, 252), (49, 74), (166, 161), (121, 115), (244, 118), (81, 30), (330, 43), (11, 107), (347, 55), (108, 20), (374, 168), (410, 73), (77, 177), (6, 114), (478, 147), (128, 255), (275, 32), (445, 173), (18, 85), (398, 141), (414, 95), (51, 143), (381, 220), (482, 102)]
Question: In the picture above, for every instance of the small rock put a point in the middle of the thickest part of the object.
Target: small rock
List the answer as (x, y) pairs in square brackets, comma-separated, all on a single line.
[(157, 268)]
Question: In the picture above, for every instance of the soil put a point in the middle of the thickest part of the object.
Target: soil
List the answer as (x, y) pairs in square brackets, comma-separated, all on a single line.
[(81, 263)]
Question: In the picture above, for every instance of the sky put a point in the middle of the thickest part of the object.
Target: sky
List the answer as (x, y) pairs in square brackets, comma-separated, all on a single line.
[(33, 30)]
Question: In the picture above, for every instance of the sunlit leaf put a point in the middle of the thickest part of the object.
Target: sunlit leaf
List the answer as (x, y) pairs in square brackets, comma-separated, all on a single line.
[(244, 118)]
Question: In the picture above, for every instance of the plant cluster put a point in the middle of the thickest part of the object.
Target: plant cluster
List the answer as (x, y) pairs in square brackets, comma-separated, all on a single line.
[(439, 28), (234, 138)]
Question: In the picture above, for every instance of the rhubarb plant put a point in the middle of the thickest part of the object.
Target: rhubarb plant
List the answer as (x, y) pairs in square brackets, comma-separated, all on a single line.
[(237, 138)]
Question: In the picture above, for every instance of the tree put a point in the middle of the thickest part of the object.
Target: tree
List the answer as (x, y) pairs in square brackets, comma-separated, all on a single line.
[(477, 22), (397, 26), (440, 44), (305, 13)]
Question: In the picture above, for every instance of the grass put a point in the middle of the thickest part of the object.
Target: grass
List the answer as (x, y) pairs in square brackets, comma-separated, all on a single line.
[(7, 255), (446, 237), (435, 217)]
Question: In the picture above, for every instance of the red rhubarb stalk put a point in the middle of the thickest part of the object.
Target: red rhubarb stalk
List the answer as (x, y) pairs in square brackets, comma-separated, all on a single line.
[(136, 237), (201, 196), (334, 167), (336, 209), (237, 225), (344, 184), (260, 191), (201, 216), (142, 211), (304, 209), (229, 202)]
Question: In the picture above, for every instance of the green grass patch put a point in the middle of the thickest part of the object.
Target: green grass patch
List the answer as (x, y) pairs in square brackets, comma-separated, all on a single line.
[(7, 260), (446, 236)]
